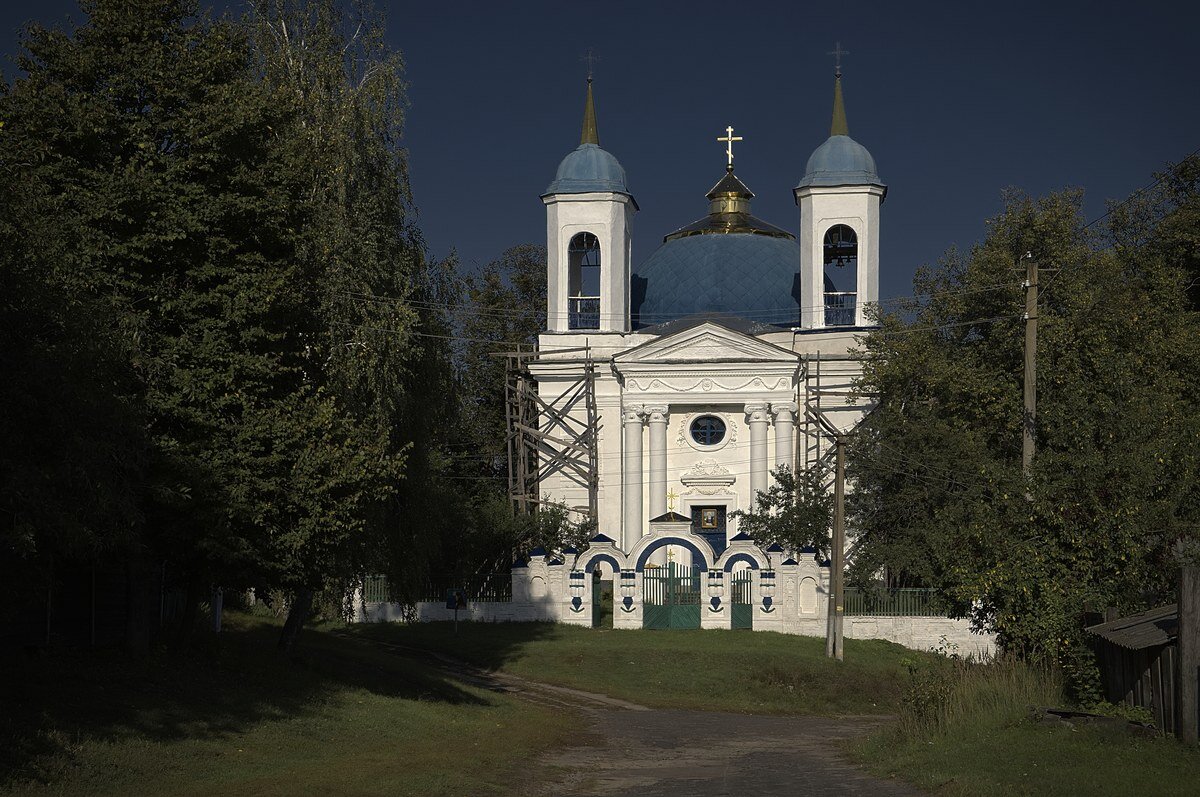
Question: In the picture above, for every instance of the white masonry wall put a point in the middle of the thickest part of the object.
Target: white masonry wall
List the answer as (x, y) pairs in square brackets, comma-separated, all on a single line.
[(798, 604)]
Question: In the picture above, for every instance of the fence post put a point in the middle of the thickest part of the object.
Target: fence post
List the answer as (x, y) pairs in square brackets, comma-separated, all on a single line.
[(1189, 654)]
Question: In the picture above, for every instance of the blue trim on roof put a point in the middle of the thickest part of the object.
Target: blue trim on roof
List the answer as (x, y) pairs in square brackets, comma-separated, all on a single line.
[(538, 551), (741, 536), (790, 561), (603, 538), (775, 548)]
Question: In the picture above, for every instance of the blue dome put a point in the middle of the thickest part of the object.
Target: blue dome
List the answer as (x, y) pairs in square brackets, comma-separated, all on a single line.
[(755, 277), (840, 161), (588, 169)]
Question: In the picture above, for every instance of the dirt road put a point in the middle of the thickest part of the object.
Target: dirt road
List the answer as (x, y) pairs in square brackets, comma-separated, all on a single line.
[(627, 750)]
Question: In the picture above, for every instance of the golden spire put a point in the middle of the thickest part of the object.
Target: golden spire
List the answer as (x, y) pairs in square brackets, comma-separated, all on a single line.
[(839, 126), (590, 135)]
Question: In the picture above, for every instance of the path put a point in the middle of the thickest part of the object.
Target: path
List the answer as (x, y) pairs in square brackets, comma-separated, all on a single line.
[(627, 750)]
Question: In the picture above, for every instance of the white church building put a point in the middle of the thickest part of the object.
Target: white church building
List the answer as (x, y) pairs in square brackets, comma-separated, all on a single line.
[(708, 348), (711, 361)]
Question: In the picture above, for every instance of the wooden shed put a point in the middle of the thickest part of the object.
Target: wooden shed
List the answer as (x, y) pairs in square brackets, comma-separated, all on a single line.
[(1138, 659)]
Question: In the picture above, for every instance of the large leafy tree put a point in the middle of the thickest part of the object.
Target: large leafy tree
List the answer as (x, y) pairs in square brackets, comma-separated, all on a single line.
[(368, 385), (229, 202), (1112, 498), (143, 143)]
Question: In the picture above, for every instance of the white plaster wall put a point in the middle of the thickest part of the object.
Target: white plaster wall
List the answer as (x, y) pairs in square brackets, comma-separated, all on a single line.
[(607, 216), (820, 209)]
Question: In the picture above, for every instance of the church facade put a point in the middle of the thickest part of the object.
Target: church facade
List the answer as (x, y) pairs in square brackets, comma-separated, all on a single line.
[(725, 355), (712, 356)]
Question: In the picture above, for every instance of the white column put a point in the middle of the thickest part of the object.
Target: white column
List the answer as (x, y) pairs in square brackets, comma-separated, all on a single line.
[(631, 478), (657, 418), (785, 418), (756, 416)]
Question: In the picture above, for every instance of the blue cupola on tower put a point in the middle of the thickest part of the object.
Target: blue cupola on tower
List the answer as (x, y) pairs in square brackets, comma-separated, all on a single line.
[(589, 168), (840, 160), (588, 242)]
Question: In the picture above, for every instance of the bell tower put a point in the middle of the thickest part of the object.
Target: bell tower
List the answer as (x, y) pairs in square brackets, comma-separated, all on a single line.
[(839, 197), (588, 243)]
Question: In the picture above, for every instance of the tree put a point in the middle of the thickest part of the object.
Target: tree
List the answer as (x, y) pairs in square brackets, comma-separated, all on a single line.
[(941, 499), (506, 308), (229, 204), (795, 512), (358, 261), (145, 140)]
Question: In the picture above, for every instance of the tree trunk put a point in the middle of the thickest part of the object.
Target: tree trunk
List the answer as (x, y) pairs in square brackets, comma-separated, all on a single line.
[(298, 614), (137, 621), (191, 609)]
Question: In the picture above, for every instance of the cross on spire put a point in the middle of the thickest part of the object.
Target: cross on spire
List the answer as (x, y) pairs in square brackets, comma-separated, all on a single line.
[(591, 58), (837, 54), (728, 140)]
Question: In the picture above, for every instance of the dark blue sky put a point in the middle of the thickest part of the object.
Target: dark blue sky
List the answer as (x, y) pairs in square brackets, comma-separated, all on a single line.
[(956, 101)]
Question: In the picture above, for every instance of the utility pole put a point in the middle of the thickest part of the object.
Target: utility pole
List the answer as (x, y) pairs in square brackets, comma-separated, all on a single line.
[(1031, 318), (1187, 690), (837, 590)]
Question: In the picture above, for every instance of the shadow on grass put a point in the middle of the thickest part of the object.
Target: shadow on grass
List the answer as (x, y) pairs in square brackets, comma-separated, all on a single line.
[(52, 702), (489, 645)]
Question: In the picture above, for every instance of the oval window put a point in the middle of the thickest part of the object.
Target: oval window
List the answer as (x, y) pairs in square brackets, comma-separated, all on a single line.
[(708, 430)]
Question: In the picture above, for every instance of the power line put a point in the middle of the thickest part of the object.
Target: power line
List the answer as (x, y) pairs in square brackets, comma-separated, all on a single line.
[(467, 307), (1149, 187)]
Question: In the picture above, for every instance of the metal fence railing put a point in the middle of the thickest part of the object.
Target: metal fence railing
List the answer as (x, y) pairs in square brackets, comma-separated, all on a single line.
[(908, 602), (839, 308), (584, 312), (484, 587)]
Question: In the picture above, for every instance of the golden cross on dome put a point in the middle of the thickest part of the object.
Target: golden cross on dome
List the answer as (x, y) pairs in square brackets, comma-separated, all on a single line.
[(728, 139)]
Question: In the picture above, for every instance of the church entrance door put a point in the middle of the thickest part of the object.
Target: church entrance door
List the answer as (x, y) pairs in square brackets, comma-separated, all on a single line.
[(671, 596), (709, 523)]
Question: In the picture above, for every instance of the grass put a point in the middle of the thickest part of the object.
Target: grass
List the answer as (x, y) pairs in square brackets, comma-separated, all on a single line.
[(964, 730), (739, 671), (235, 719)]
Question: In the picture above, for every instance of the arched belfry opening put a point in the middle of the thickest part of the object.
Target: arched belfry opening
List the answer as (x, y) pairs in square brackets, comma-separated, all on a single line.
[(840, 261), (583, 261)]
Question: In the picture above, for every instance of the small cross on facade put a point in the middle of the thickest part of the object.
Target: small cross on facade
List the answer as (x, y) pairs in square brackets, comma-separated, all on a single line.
[(671, 496), (728, 139), (837, 54)]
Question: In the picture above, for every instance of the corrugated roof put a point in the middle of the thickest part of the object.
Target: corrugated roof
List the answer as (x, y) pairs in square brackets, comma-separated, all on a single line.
[(1145, 630)]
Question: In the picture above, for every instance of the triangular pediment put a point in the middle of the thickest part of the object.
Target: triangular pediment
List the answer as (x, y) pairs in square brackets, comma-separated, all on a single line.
[(707, 342)]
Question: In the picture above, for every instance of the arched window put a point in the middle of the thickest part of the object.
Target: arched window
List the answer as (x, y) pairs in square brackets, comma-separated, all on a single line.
[(841, 275), (583, 258)]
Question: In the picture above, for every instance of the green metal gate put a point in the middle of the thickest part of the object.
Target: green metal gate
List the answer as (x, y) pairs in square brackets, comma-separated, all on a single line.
[(671, 597), (741, 612)]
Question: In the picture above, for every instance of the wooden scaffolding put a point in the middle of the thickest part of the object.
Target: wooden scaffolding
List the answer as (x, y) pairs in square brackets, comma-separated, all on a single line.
[(552, 436)]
